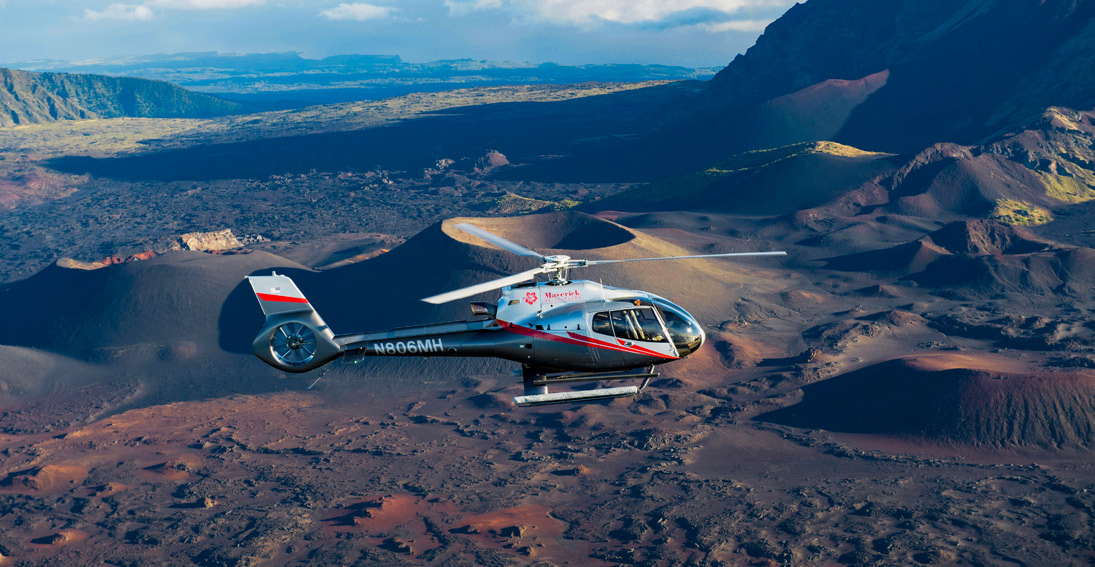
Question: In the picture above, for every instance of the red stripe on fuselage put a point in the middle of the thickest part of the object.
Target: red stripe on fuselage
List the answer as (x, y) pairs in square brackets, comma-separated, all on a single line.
[(580, 340), (625, 348), (281, 298)]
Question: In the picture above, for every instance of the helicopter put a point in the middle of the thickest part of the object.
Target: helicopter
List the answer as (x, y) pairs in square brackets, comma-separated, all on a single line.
[(561, 331)]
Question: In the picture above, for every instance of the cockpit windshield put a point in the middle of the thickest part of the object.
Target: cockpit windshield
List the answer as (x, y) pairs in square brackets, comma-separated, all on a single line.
[(684, 331), (637, 325)]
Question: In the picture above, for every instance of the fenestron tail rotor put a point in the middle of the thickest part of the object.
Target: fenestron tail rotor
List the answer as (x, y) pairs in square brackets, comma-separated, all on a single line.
[(294, 344), (557, 266)]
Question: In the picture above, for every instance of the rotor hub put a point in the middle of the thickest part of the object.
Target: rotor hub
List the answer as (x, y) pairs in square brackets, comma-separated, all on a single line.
[(557, 266), (293, 344)]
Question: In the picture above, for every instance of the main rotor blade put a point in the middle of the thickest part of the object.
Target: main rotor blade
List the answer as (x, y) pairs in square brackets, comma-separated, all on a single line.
[(732, 255), (485, 286), (498, 240)]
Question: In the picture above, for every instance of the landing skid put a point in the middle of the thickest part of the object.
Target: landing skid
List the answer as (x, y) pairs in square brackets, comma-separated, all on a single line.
[(536, 386)]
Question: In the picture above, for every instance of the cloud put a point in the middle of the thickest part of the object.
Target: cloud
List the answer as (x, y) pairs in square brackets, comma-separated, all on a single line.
[(203, 4), (129, 12), (143, 12), (464, 7), (358, 12), (709, 15), (736, 25)]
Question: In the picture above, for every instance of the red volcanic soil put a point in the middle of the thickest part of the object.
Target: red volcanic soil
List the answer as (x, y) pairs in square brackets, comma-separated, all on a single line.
[(512, 521), (177, 468), (60, 538), (44, 479), (32, 187), (411, 525), (384, 513), (530, 530), (401, 523), (104, 490), (343, 475)]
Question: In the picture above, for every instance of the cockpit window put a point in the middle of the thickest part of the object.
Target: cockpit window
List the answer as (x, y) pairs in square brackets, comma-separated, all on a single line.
[(683, 329), (638, 325)]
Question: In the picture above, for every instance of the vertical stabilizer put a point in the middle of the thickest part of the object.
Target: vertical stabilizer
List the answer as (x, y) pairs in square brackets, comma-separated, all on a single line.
[(278, 294)]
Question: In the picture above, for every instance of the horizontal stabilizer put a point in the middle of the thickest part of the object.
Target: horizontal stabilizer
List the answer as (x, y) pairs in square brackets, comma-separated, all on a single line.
[(575, 396)]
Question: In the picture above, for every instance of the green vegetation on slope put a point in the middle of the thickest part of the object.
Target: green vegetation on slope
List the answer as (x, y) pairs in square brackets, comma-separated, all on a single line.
[(1066, 188), (514, 204), (33, 98), (1019, 213), (772, 181)]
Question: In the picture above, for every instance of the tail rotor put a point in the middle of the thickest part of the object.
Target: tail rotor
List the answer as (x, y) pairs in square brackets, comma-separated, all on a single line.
[(294, 338), (293, 344)]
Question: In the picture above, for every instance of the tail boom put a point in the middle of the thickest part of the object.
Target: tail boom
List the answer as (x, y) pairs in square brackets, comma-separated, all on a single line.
[(295, 338)]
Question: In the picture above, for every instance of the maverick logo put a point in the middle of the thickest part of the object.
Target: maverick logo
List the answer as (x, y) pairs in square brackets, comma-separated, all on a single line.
[(530, 297), (571, 295)]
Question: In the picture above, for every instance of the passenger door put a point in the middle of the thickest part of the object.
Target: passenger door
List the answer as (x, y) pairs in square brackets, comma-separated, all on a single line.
[(604, 347)]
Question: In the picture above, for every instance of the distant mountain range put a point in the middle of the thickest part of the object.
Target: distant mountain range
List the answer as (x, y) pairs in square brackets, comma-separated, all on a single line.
[(29, 98), (288, 78), (900, 75), (893, 76)]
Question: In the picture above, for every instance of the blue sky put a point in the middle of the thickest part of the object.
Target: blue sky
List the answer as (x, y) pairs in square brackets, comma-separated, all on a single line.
[(671, 32)]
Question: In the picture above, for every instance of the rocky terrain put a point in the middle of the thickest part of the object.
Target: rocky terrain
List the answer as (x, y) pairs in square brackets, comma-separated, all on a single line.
[(911, 385), (918, 416), (68, 188)]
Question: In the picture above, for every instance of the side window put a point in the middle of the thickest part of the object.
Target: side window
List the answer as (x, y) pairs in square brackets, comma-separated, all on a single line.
[(638, 325), (624, 326), (601, 324)]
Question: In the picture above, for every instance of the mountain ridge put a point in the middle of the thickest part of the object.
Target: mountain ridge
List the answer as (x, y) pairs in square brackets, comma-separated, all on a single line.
[(287, 79), (974, 69), (33, 98)]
